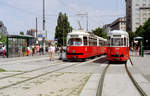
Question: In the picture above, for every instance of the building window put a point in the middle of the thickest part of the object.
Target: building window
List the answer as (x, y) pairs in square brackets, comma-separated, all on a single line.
[(137, 9), (144, 5), (137, 5)]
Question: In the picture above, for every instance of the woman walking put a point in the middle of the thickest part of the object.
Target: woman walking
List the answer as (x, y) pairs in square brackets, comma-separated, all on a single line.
[(4, 51), (51, 50)]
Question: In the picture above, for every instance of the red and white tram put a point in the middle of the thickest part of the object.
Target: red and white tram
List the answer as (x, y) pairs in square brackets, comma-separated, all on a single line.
[(118, 46), (82, 45)]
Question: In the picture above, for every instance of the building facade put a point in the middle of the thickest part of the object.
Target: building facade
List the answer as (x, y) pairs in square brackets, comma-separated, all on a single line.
[(118, 24), (137, 12)]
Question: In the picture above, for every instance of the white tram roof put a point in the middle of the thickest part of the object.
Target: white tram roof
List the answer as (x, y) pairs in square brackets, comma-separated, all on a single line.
[(78, 32), (85, 33), (117, 32)]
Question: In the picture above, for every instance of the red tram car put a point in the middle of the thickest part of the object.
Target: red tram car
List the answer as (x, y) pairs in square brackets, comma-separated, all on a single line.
[(118, 46), (82, 45)]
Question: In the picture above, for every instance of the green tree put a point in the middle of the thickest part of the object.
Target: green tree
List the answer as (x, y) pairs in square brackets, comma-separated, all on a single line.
[(146, 28), (21, 33), (62, 28), (3, 38), (100, 32), (139, 31), (131, 36)]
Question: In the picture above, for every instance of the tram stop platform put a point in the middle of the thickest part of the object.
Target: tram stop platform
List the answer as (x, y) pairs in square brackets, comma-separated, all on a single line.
[(142, 69)]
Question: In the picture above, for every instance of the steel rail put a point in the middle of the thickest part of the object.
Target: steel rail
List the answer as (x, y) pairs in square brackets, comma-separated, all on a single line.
[(23, 81), (101, 82), (140, 90), (21, 60), (37, 69)]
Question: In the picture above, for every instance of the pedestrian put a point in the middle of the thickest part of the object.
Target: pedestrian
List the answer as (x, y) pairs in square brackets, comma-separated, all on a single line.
[(20, 50), (28, 51), (60, 52), (33, 49), (135, 48), (23, 50), (4, 51), (37, 49), (51, 50)]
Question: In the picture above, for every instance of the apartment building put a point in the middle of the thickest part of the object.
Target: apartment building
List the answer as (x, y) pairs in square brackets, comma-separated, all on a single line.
[(118, 24), (137, 12)]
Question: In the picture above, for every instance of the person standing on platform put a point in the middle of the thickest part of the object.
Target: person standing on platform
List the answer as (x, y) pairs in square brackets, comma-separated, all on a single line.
[(37, 49), (51, 50), (33, 49), (28, 51), (61, 53), (20, 50), (4, 51)]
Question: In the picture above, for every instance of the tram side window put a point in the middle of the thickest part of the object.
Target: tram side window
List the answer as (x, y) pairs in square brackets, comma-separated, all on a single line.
[(121, 43), (125, 40), (99, 42), (85, 40), (95, 42), (108, 38), (90, 41)]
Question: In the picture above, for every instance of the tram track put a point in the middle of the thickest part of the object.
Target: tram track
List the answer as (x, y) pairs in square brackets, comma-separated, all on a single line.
[(21, 60), (134, 82), (45, 67), (140, 90), (59, 67)]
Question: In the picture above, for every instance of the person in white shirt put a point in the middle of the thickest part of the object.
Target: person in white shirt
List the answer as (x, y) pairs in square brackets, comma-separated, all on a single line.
[(51, 50)]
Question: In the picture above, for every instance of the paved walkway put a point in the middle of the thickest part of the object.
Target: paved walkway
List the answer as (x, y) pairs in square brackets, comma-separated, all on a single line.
[(142, 70), (142, 63)]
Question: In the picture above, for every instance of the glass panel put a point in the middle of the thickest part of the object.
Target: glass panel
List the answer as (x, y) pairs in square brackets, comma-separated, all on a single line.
[(117, 42), (85, 40), (75, 41), (125, 41)]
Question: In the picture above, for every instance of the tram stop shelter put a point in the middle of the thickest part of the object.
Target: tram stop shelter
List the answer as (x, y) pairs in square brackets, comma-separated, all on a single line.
[(17, 44), (139, 41)]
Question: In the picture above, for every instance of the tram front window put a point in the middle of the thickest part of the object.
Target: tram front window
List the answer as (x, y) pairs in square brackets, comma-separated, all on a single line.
[(117, 42), (75, 41)]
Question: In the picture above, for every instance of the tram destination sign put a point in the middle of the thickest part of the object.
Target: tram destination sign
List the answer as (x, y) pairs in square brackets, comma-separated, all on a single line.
[(74, 36), (116, 35)]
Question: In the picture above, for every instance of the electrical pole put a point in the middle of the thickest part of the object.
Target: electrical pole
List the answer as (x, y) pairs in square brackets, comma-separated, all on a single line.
[(36, 28), (44, 21), (36, 31), (45, 37), (43, 15)]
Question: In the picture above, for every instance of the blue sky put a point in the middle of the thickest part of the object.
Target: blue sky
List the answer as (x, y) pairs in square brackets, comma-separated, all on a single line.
[(19, 15)]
